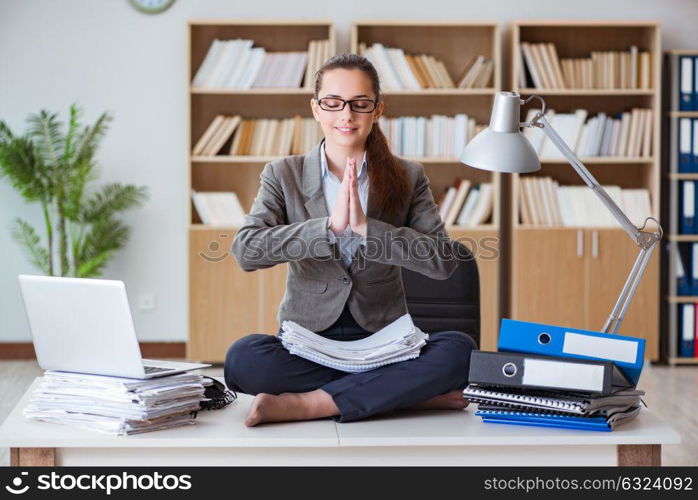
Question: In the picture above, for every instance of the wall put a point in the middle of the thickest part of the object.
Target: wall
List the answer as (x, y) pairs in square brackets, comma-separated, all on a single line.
[(108, 56)]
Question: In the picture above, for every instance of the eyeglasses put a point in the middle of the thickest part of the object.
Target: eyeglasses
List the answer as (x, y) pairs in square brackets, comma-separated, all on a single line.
[(356, 105)]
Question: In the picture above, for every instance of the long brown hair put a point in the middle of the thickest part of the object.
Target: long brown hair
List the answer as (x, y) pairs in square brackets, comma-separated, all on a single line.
[(388, 180)]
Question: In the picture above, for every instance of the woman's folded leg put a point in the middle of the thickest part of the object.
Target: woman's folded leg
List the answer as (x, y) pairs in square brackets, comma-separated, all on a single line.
[(441, 367), (259, 363), (285, 385)]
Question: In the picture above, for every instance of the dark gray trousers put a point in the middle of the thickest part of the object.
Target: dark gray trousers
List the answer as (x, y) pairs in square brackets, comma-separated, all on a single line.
[(259, 363)]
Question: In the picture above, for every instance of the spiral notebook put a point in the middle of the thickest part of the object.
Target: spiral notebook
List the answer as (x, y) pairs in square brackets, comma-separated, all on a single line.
[(544, 420), (597, 423), (563, 402)]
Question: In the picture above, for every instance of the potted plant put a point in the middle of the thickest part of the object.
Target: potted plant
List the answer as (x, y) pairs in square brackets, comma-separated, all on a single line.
[(55, 169)]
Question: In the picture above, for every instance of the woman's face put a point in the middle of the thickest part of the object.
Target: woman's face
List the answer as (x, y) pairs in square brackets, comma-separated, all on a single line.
[(346, 128)]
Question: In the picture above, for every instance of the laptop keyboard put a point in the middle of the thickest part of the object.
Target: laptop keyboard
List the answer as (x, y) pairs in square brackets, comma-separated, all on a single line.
[(155, 369)]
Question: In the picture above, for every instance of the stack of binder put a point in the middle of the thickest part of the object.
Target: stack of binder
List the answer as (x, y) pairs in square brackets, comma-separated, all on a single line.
[(550, 376), (116, 405)]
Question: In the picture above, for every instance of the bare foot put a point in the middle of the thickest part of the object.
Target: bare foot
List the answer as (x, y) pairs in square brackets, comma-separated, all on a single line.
[(290, 406), (453, 400)]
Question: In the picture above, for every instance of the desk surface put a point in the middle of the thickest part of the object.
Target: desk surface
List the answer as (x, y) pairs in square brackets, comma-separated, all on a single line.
[(225, 428)]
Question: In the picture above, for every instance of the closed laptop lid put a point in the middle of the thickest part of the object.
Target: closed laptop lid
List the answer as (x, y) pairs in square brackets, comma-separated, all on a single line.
[(81, 325)]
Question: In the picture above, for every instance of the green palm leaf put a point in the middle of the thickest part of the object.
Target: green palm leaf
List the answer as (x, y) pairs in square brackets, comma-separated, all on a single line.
[(86, 143), (45, 130), (26, 236), (20, 164), (78, 176), (6, 134), (112, 198), (100, 242)]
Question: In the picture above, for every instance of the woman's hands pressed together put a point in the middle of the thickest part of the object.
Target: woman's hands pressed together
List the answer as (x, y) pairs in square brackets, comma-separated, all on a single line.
[(347, 208), (340, 212), (357, 217)]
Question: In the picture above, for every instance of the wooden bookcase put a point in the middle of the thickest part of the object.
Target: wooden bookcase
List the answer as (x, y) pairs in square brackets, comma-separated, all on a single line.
[(672, 207), (572, 276), (456, 44), (225, 302)]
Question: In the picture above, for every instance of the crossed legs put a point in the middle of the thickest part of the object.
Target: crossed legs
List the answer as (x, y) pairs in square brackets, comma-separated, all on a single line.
[(288, 387)]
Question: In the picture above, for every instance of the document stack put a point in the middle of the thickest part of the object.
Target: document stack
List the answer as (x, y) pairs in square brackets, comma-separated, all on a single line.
[(116, 405), (557, 377), (399, 341)]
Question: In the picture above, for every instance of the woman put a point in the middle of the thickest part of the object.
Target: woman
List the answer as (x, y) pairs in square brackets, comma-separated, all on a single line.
[(345, 244)]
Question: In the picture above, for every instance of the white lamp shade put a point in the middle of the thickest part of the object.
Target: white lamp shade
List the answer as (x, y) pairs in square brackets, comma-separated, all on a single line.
[(501, 147), (507, 152)]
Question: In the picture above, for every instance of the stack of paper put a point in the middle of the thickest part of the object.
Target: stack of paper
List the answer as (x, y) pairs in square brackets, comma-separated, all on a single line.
[(398, 341), (116, 405)]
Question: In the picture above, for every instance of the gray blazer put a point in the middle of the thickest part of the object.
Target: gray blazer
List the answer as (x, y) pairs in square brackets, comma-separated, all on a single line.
[(288, 223)]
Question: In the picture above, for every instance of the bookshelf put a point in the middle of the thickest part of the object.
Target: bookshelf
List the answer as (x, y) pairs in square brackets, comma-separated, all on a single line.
[(225, 302), (571, 276), (456, 44), (672, 182)]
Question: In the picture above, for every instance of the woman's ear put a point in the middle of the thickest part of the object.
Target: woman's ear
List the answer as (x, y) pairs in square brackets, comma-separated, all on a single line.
[(378, 112), (314, 108)]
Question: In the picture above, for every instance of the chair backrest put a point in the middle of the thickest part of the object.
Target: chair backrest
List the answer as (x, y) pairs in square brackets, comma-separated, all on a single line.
[(450, 304)]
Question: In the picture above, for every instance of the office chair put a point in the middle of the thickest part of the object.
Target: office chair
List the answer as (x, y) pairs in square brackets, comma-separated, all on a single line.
[(450, 304)]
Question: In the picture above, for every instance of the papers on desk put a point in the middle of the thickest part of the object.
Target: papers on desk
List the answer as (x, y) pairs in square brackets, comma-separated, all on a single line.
[(399, 341), (116, 405)]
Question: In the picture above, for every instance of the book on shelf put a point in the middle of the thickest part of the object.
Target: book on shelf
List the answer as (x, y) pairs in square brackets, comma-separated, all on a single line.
[(687, 131), (543, 202), (477, 75), (216, 135), (569, 127), (684, 94), (237, 64), (218, 208), (542, 68), (686, 269), (319, 51), (625, 135), (434, 136), (258, 137), (462, 187), (687, 332), (401, 71), (687, 207), (465, 204), (682, 262)]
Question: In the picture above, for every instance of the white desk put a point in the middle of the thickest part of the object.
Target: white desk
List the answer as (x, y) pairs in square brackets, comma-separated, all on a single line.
[(404, 438)]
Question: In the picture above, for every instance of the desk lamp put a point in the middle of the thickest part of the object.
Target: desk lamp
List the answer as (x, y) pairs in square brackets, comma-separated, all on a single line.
[(503, 148)]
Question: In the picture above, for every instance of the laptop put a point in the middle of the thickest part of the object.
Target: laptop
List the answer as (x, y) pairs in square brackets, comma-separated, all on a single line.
[(85, 325)]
